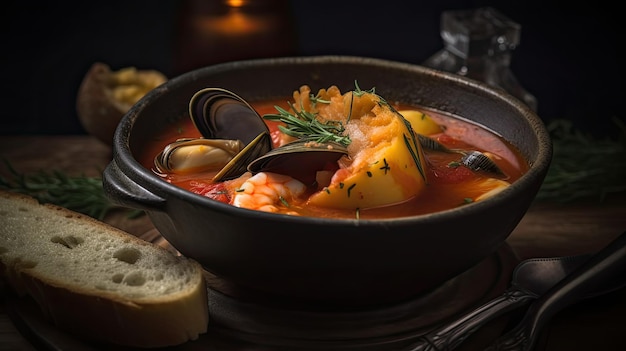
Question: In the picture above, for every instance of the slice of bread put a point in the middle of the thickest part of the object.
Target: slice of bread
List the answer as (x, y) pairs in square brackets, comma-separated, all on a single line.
[(96, 281)]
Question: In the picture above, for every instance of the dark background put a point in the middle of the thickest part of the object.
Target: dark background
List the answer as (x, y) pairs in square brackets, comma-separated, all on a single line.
[(567, 57)]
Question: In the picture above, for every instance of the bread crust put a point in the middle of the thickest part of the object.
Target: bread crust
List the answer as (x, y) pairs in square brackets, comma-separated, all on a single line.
[(108, 316)]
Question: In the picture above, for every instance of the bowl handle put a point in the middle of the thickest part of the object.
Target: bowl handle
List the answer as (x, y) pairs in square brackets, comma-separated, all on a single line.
[(125, 192)]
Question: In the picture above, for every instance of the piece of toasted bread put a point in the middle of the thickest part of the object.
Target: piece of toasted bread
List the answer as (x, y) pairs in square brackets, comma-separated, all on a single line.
[(96, 281)]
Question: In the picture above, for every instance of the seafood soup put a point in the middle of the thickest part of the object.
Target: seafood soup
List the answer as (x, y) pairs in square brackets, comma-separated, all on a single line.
[(337, 155)]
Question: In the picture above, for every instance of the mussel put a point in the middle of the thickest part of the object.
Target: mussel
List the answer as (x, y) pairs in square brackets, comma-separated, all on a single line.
[(239, 164), (221, 114), (474, 160), (189, 155), (299, 159), (479, 161), (224, 118)]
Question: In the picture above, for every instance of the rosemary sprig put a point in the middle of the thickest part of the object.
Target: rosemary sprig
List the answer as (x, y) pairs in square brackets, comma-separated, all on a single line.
[(304, 125), (583, 166), (360, 92), (81, 194)]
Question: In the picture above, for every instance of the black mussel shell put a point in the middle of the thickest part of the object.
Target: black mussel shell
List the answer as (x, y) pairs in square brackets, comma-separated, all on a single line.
[(239, 164), (478, 161), (300, 159), (221, 114)]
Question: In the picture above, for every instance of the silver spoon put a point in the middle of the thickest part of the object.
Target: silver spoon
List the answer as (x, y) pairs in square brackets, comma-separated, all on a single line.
[(606, 266), (531, 278)]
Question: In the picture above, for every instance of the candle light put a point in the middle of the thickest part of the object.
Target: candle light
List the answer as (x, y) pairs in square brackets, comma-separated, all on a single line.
[(213, 31), (235, 23)]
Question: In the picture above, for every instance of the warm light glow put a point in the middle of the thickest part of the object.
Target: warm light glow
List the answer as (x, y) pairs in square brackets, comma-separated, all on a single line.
[(234, 23), (236, 3)]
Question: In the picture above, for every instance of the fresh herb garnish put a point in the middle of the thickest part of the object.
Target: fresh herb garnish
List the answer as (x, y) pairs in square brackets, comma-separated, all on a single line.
[(412, 145), (316, 99), (78, 193), (385, 167), (304, 125), (350, 188), (284, 201), (359, 92)]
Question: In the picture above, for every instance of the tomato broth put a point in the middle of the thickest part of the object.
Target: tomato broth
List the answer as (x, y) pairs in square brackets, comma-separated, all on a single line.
[(447, 187)]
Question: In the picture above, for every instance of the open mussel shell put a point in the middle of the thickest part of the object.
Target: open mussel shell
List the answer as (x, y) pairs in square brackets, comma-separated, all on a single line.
[(239, 164), (221, 114), (474, 160), (299, 159)]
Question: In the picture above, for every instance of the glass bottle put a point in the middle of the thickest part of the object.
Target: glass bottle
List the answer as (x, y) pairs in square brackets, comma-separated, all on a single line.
[(478, 44)]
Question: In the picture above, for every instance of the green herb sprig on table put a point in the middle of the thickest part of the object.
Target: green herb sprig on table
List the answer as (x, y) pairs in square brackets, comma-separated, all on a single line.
[(78, 193), (583, 166)]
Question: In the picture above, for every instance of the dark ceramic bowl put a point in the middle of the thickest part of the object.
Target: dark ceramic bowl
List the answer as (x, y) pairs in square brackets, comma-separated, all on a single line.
[(329, 261)]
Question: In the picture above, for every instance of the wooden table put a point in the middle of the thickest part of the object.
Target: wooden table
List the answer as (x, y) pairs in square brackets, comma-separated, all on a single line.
[(548, 229)]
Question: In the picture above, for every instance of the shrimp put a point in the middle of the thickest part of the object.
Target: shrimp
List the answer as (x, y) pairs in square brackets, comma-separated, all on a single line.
[(265, 191)]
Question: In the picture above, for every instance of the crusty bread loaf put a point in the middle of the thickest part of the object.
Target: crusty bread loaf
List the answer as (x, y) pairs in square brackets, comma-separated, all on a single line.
[(96, 281), (104, 96)]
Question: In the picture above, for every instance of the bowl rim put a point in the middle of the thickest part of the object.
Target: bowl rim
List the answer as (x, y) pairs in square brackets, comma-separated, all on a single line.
[(123, 155)]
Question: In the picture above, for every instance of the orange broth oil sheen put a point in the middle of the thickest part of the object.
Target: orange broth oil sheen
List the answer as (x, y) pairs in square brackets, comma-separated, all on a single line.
[(444, 183)]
